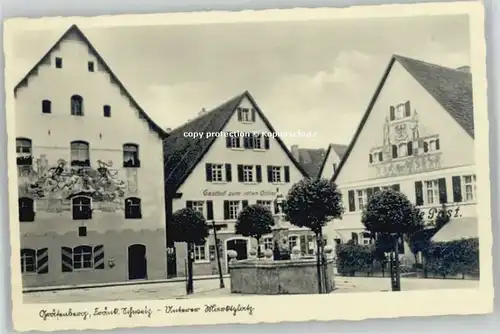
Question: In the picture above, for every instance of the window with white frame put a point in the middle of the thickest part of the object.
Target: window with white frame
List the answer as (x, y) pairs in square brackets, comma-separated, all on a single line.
[(198, 206), (293, 240), (268, 243), (402, 150), (431, 192), (235, 142), (246, 115), (362, 198), (234, 209), (276, 174), (217, 172), (257, 141), (248, 173), (400, 111), (200, 252), (83, 257), (267, 204), (469, 187)]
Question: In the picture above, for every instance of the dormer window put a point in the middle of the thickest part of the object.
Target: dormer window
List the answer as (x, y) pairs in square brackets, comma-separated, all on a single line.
[(90, 66), (59, 63), (76, 105)]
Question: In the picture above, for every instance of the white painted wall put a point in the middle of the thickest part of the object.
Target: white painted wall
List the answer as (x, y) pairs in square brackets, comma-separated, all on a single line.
[(51, 134), (456, 147), (196, 183)]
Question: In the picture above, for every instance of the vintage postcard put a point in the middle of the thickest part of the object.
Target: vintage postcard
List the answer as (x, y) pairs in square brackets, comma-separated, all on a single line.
[(247, 167)]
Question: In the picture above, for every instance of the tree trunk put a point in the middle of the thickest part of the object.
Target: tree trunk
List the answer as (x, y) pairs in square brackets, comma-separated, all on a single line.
[(318, 263), (258, 248), (323, 262), (397, 281), (190, 268)]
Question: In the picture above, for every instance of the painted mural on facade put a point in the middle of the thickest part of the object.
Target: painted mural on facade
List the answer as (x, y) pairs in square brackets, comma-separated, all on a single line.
[(405, 149), (53, 186)]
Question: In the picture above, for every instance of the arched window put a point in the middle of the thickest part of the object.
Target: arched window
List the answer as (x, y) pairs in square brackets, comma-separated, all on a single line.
[(106, 110), (46, 106), (380, 156), (80, 155), (26, 209), (83, 257), (23, 151), (28, 260), (76, 105), (133, 208), (131, 155), (81, 207)]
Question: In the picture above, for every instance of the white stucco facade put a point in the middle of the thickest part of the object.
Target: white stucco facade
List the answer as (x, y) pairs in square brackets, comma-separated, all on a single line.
[(74, 148), (439, 167), (220, 199)]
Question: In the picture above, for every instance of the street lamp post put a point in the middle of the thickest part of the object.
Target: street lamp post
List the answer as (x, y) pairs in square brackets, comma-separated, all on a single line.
[(217, 254)]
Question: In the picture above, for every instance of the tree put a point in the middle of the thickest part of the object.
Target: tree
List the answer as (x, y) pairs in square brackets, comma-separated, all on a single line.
[(389, 212), (312, 203), (189, 226), (443, 217), (254, 221)]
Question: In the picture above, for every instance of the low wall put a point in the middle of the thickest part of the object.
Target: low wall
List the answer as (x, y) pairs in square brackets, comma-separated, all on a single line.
[(269, 277)]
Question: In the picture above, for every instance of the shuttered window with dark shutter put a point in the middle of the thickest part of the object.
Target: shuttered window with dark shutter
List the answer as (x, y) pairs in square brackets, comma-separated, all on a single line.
[(210, 210), (419, 194), (457, 188), (352, 203), (287, 174), (229, 175), (443, 198), (258, 172)]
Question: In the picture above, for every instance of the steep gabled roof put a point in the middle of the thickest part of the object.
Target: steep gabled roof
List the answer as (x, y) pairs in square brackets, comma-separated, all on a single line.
[(311, 160), (75, 30), (337, 148), (182, 154), (451, 88)]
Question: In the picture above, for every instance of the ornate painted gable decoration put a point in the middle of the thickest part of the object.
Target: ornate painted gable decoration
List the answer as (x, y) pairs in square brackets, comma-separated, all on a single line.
[(63, 182), (405, 150)]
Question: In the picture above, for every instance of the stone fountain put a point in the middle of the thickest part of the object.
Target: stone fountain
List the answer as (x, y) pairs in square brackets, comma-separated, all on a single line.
[(281, 271)]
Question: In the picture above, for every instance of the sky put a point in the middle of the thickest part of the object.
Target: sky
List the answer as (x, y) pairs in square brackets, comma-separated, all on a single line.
[(311, 76)]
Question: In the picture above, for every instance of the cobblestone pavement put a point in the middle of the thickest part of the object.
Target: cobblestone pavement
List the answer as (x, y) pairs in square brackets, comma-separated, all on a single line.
[(210, 288)]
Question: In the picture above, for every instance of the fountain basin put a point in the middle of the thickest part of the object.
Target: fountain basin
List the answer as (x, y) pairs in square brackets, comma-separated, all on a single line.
[(267, 277)]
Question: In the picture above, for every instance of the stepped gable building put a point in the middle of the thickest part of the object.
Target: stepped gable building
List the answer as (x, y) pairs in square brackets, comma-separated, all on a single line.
[(309, 158), (331, 161), (220, 175), (417, 136), (89, 192)]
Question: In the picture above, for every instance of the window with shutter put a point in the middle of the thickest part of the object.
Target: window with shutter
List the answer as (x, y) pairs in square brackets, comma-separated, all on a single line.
[(240, 173), (409, 149), (407, 109), (380, 156), (208, 172), (370, 158), (469, 188), (394, 151), (226, 210)]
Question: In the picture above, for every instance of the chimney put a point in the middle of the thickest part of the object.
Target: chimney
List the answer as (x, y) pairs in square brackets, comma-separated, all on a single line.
[(202, 111), (295, 152), (465, 69)]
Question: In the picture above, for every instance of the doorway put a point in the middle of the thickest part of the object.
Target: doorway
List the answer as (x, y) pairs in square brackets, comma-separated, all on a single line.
[(137, 262)]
